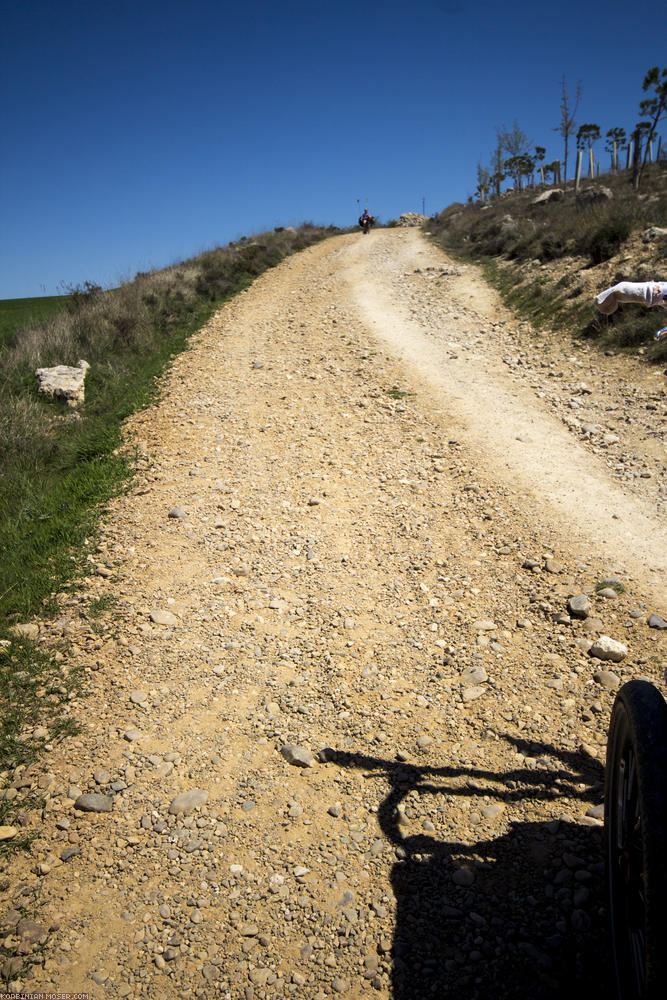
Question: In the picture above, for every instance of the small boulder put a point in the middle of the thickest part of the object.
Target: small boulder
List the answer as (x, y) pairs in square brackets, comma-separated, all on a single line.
[(94, 802), (591, 195), (298, 756), (474, 675), (605, 648), (607, 679), (29, 630), (483, 625), (555, 194), (163, 618), (64, 382), (472, 693), (654, 233), (30, 934), (579, 606)]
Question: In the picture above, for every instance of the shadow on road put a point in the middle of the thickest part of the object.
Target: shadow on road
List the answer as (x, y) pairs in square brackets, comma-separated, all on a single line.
[(515, 916)]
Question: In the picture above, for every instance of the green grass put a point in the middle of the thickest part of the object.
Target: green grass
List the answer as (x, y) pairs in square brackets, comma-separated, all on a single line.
[(610, 583), (101, 605), (55, 484), (15, 314), (35, 686), (398, 393), (542, 303)]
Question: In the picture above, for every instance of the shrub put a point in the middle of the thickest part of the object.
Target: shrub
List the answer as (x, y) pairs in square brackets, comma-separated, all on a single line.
[(605, 240)]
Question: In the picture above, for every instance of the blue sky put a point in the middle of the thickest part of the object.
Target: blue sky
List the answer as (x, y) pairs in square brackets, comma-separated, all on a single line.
[(138, 133)]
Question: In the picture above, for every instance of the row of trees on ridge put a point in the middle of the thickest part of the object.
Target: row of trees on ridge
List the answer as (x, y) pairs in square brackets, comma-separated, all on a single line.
[(511, 157)]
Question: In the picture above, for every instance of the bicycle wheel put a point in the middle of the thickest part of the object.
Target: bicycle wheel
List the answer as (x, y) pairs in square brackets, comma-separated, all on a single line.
[(635, 807)]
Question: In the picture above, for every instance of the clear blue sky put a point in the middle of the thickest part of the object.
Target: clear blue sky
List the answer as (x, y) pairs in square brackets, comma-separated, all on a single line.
[(138, 133)]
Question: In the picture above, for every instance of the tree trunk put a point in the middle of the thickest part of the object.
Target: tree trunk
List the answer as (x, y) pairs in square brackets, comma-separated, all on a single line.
[(577, 173), (636, 161)]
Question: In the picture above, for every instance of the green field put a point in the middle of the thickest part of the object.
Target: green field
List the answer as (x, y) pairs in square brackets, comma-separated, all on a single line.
[(15, 314)]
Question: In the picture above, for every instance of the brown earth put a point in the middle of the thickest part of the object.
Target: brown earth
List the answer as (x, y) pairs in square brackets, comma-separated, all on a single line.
[(360, 509)]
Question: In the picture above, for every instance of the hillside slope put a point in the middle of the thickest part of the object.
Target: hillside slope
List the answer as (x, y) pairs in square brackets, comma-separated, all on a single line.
[(551, 251)]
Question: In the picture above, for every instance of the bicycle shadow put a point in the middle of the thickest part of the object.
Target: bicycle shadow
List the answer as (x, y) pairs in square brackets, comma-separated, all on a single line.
[(527, 921)]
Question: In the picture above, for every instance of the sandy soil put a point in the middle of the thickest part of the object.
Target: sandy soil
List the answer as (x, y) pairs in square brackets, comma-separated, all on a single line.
[(360, 509)]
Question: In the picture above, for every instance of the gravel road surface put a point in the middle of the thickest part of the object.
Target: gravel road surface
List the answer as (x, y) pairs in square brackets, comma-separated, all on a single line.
[(346, 713)]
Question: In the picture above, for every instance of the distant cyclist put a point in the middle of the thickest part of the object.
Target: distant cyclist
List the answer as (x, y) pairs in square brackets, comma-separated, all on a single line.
[(366, 220)]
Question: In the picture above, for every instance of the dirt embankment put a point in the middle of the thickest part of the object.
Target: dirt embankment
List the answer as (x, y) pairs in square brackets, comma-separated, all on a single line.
[(360, 510)]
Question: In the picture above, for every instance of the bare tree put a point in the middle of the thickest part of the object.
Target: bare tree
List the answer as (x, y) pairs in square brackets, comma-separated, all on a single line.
[(497, 172), (640, 135), (567, 125), (483, 182), (514, 142), (655, 108)]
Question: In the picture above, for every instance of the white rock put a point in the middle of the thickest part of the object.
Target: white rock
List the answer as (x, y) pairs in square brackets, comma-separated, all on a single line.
[(29, 630), (605, 648), (474, 675), (483, 625), (63, 382), (163, 618)]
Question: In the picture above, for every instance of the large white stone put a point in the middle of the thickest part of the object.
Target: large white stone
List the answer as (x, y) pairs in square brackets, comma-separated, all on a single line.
[(64, 382)]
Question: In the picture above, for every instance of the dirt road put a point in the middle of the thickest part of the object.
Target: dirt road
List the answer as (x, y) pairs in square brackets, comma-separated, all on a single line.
[(343, 735)]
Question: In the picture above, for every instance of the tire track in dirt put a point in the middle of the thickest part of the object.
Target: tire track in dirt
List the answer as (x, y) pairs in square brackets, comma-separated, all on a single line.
[(454, 350)]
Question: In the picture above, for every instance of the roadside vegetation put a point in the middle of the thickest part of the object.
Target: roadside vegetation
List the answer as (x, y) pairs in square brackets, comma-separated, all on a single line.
[(549, 245), (60, 465), (550, 257)]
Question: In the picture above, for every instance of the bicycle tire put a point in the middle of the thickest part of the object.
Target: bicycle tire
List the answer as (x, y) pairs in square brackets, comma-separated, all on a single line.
[(636, 840)]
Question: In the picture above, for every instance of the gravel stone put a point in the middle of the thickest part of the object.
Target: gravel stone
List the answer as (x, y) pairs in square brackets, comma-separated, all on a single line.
[(606, 648), (94, 802)]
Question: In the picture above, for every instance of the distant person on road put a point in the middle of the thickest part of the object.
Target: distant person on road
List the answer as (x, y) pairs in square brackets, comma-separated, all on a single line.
[(366, 220)]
